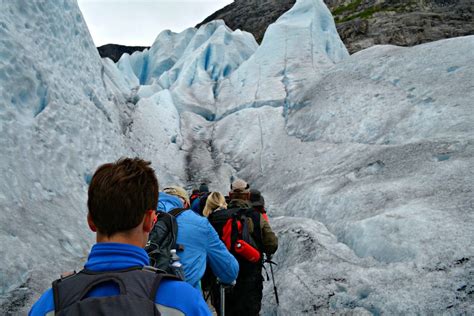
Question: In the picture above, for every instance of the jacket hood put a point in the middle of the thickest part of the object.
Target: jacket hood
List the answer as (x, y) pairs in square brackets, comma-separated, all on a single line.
[(167, 202)]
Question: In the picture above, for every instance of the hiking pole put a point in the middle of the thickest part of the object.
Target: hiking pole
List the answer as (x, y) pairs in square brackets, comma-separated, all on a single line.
[(222, 301), (222, 288), (269, 260)]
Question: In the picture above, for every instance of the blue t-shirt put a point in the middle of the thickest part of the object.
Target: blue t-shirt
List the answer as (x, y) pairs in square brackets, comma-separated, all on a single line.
[(175, 296)]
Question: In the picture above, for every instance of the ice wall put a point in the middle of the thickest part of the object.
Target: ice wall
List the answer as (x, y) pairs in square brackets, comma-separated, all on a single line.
[(317, 275), (189, 64), (380, 151), (57, 123), (299, 46)]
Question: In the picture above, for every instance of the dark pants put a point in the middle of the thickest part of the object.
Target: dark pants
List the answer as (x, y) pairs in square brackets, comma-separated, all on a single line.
[(245, 298)]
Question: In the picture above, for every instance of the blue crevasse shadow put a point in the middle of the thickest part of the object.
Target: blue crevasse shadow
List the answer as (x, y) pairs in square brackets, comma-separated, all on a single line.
[(452, 69), (443, 157), (88, 178)]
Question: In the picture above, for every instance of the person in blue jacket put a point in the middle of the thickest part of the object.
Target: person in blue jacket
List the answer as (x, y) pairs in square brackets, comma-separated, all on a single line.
[(197, 205), (122, 199), (200, 241)]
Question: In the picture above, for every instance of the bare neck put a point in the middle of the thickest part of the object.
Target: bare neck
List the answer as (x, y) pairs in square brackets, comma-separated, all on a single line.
[(133, 237)]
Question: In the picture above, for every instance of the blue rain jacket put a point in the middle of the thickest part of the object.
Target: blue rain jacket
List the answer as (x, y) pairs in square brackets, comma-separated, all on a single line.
[(201, 244), (175, 295)]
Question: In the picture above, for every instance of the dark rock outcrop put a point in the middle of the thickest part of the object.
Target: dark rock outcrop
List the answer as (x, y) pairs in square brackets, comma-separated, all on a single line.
[(115, 51), (252, 16), (363, 23)]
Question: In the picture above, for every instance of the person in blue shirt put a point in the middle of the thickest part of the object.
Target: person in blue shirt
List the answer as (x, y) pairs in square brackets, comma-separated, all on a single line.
[(200, 241), (122, 199)]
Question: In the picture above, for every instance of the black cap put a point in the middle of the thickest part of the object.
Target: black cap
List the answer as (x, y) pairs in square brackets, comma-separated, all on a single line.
[(203, 188), (256, 198)]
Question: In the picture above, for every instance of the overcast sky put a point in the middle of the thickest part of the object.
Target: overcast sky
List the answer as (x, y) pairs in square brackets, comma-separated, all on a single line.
[(138, 22)]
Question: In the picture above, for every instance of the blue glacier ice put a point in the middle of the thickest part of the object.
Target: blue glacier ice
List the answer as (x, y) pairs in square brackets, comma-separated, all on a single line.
[(190, 64), (302, 43), (149, 65)]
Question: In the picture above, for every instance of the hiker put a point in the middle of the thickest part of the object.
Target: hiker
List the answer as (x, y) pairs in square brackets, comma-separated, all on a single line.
[(194, 195), (198, 201), (215, 201), (246, 297), (258, 202), (122, 199), (199, 241)]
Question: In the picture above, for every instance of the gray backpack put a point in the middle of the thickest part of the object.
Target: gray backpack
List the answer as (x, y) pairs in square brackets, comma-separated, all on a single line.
[(138, 287)]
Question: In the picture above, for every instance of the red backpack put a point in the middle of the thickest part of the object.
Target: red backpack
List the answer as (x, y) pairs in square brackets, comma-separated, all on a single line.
[(232, 227)]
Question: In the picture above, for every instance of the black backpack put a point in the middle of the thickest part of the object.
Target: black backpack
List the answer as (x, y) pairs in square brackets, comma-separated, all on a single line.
[(232, 227), (162, 239), (138, 287)]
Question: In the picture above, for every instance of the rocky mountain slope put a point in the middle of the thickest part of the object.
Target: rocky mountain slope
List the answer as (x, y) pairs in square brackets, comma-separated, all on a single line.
[(115, 51), (360, 23), (250, 15), (364, 23)]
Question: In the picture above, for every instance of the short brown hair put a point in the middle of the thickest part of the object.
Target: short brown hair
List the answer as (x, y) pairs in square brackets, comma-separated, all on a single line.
[(120, 193)]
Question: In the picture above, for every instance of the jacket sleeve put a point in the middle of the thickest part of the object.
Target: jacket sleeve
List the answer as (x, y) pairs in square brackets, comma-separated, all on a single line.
[(44, 306), (222, 262), (269, 239)]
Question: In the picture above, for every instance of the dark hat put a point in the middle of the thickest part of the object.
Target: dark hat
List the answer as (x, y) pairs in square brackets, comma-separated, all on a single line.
[(256, 198), (203, 188)]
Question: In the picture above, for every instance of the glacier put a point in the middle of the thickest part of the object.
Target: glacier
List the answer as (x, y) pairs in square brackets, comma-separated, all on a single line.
[(365, 161), (57, 121)]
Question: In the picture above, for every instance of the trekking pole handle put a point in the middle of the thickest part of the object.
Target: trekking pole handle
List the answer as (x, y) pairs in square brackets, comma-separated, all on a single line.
[(226, 285), (223, 287)]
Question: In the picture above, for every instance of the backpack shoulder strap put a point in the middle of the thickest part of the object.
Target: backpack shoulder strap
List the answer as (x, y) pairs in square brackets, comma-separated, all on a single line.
[(56, 291), (177, 211), (238, 223), (257, 230), (161, 275)]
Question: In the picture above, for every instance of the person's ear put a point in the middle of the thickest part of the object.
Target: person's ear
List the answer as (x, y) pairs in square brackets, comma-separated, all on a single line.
[(91, 224), (185, 204), (149, 220)]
